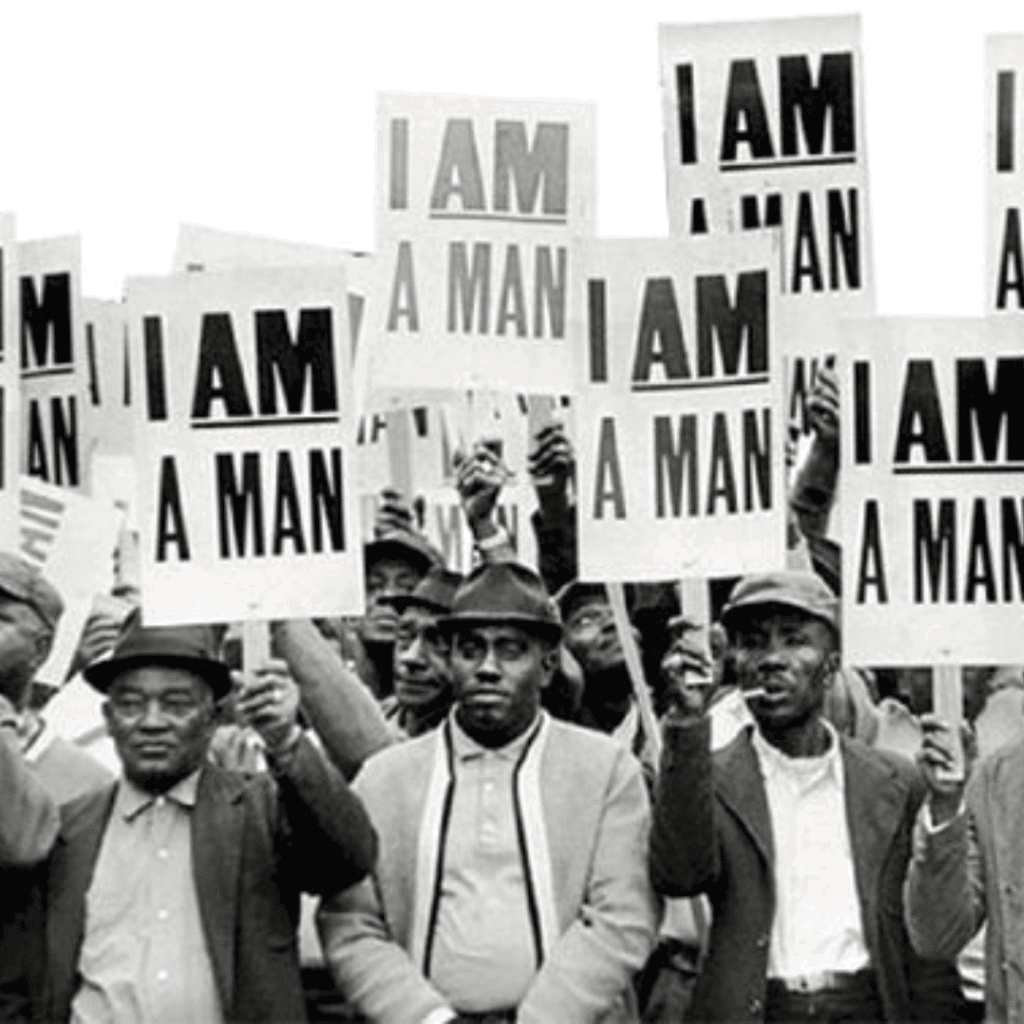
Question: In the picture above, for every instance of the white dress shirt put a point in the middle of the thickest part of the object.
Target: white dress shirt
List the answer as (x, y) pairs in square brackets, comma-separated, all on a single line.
[(817, 925)]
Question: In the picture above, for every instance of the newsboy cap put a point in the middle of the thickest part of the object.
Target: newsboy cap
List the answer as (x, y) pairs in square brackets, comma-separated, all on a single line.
[(189, 647), (800, 590), (24, 582), (434, 593), (505, 593)]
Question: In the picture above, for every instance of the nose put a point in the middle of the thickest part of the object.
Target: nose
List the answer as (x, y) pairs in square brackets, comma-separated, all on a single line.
[(152, 716), (413, 655), (488, 668)]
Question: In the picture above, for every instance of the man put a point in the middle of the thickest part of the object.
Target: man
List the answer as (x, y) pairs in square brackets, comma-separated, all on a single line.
[(968, 865), (799, 837), (173, 894), (423, 686), (512, 883)]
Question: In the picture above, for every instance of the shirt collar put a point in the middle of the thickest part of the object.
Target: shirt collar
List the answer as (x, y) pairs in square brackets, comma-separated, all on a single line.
[(467, 749), (805, 771), (131, 801)]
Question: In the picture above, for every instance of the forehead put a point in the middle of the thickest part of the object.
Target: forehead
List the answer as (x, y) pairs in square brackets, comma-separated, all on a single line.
[(588, 602), (416, 615), (779, 617), (392, 565), (154, 680)]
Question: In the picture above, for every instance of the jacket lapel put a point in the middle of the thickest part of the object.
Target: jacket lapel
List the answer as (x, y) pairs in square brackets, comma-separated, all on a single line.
[(740, 787), (217, 837)]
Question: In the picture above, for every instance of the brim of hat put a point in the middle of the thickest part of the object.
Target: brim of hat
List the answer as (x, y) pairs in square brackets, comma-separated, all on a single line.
[(102, 673), (736, 611), (403, 601), (448, 624), (404, 549)]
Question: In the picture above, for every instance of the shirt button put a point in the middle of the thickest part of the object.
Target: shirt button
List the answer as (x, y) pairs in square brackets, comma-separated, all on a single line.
[(754, 1006)]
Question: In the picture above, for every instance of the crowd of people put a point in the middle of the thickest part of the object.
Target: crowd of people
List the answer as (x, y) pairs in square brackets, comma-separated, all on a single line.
[(468, 781)]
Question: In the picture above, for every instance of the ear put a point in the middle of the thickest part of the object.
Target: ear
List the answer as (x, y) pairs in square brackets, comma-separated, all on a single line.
[(108, 714), (830, 666), (42, 644), (549, 660)]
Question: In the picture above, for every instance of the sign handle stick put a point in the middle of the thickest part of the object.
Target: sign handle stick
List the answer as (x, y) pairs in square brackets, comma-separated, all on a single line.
[(695, 603), (617, 600), (399, 435), (948, 704), (255, 644)]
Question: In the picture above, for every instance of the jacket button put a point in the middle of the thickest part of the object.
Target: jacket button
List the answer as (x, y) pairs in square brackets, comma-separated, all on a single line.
[(755, 1006)]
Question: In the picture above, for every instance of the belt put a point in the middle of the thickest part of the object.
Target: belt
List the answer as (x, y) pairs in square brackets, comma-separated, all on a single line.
[(825, 981)]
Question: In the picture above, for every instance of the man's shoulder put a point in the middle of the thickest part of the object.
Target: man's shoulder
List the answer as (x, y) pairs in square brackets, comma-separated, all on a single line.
[(579, 738), (397, 760), (1003, 767)]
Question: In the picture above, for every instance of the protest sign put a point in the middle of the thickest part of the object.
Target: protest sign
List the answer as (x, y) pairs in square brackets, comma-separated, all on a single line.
[(932, 485), (202, 248), (764, 128), (71, 540), (10, 387), (106, 408), (49, 272), (679, 407), (477, 200), (1004, 173), (243, 445)]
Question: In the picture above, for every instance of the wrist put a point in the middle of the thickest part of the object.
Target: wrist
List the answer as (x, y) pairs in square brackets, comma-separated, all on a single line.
[(497, 538), (281, 753), (483, 528)]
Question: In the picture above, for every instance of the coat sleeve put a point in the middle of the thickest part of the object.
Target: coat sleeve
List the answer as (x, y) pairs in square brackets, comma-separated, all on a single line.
[(944, 896), (593, 962), (325, 827), (684, 857), (373, 971), (29, 819)]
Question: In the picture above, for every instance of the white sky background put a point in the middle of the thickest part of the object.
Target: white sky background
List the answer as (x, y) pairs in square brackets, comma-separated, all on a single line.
[(122, 119)]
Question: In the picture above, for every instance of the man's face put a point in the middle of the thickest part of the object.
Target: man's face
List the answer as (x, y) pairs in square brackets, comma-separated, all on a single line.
[(591, 637), (793, 657), (161, 719), (498, 672), (386, 578), (23, 645), (422, 673)]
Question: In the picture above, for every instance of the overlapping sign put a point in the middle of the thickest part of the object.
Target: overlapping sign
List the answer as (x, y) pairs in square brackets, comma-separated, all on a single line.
[(679, 415), (1004, 173), (49, 272), (933, 491), (243, 444), (477, 202), (10, 388)]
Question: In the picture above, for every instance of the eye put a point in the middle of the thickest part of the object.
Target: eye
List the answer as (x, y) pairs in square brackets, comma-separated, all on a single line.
[(470, 650), (509, 650)]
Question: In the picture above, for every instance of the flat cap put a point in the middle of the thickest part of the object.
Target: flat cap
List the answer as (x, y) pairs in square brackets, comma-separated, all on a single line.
[(23, 581), (801, 590)]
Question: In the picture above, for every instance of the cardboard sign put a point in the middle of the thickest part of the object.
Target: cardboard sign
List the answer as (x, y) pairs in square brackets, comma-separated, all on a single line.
[(243, 445), (477, 202), (10, 387), (71, 539), (202, 248), (679, 417), (49, 272), (764, 128), (106, 407), (932, 487), (1004, 173)]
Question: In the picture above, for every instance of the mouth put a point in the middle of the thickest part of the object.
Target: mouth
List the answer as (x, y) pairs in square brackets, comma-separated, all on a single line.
[(153, 751)]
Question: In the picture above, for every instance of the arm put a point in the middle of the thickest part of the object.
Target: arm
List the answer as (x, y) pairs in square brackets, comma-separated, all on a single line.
[(28, 817), (479, 482), (554, 523), (684, 846), (341, 709), (814, 489), (593, 962), (373, 971)]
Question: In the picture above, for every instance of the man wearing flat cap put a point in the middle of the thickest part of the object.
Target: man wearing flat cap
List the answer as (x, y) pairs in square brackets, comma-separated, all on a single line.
[(799, 837), (173, 894), (512, 883)]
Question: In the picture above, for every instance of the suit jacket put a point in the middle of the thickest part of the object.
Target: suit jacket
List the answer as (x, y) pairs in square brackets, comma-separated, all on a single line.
[(973, 870), (712, 833), (255, 846), (585, 819)]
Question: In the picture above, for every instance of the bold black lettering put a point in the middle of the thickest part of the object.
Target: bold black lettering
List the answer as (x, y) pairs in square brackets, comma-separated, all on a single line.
[(37, 463), (170, 519), (1011, 262), (234, 505), (698, 218), (757, 459), (843, 238), (806, 261), (287, 517), (872, 558), (748, 318), (403, 291), (608, 478), (156, 387), (1013, 547), (511, 300), (458, 169), (549, 291), (977, 404), (685, 111), (217, 352), (46, 321), (721, 457), (94, 377), (313, 351), (398, 192), (834, 92), (669, 460), (464, 285), (65, 440), (861, 412), (744, 102), (547, 159), (979, 557), (597, 321), (327, 494), (1004, 120), (931, 547), (659, 322), (921, 401)]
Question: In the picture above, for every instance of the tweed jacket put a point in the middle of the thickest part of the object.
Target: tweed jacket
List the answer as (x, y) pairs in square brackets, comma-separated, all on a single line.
[(972, 871), (255, 845), (712, 833), (583, 815)]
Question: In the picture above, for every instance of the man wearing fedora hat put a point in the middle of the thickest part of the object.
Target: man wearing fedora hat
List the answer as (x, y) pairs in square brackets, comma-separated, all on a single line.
[(173, 894), (799, 837), (512, 883)]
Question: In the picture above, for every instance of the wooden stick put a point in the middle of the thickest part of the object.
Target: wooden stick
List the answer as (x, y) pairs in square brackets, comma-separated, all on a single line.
[(617, 600), (255, 644), (399, 439), (948, 704)]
